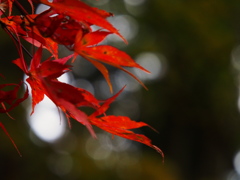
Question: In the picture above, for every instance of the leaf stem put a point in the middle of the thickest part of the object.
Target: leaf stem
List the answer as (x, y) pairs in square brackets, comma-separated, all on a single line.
[(18, 45)]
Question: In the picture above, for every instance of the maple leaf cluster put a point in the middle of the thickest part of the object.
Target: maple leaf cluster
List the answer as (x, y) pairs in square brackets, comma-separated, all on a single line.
[(68, 23)]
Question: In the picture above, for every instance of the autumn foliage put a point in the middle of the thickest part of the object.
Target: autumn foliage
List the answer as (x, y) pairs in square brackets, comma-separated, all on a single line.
[(67, 23)]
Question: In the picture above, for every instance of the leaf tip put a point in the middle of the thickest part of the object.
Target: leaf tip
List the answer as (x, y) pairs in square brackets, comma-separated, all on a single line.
[(159, 151)]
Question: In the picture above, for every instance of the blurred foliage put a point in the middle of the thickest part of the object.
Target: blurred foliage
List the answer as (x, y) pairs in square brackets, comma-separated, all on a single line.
[(194, 106)]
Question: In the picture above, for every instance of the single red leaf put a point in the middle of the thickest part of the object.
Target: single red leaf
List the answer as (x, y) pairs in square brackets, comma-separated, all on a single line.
[(109, 55), (42, 79), (47, 69), (120, 125)]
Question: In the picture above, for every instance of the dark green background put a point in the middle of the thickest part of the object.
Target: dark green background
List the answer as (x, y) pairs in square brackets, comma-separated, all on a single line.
[(194, 106)]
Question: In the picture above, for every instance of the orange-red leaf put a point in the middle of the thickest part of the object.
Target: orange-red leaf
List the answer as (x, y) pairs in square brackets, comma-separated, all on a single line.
[(42, 79), (120, 126), (109, 55)]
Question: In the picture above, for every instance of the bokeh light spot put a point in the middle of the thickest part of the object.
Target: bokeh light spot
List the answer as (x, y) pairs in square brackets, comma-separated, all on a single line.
[(154, 63), (46, 122), (127, 26)]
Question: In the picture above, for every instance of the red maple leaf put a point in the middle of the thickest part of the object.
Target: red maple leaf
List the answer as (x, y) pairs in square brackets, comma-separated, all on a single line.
[(120, 125), (87, 47), (43, 81)]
